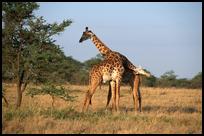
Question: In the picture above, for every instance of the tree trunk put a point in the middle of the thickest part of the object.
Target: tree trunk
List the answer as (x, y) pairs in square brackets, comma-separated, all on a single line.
[(21, 88), (19, 83), (5, 101), (19, 95)]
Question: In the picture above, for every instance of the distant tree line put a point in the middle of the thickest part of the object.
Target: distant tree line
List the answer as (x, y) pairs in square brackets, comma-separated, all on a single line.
[(168, 79), (67, 69)]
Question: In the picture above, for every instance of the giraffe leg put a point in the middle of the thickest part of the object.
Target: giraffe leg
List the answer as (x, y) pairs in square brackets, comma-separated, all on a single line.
[(135, 99), (85, 100), (112, 83), (99, 84), (109, 95), (139, 94), (89, 94), (136, 93), (140, 100), (133, 90), (117, 90)]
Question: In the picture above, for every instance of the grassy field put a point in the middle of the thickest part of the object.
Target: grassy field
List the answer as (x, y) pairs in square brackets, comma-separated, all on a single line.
[(167, 110)]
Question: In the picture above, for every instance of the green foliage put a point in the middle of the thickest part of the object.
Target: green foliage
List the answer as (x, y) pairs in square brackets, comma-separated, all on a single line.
[(72, 71), (93, 61), (53, 91), (21, 114), (68, 113), (28, 47), (80, 77), (183, 83), (71, 114), (196, 82), (168, 79), (169, 75), (77, 72), (149, 81)]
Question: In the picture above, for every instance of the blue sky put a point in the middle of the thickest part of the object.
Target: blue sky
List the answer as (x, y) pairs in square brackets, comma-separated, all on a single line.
[(158, 36)]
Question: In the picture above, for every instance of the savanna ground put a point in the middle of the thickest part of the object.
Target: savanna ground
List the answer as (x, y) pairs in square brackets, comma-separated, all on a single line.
[(167, 110)]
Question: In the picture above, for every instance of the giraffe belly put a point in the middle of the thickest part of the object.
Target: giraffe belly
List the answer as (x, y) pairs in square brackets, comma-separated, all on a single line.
[(114, 75), (106, 77)]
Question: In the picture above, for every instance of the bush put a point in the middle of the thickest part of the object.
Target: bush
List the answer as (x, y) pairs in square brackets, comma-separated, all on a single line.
[(53, 91)]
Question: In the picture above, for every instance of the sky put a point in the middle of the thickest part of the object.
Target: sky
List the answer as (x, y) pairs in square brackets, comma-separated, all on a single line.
[(158, 36)]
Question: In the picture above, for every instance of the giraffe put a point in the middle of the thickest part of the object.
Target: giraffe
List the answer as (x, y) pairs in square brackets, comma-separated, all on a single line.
[(106, 52), (96, 76), (107, 70), (119, 63), (135, 87)]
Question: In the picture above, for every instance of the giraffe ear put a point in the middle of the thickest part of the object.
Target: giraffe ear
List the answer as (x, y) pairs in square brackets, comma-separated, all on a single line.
[(86, 28)]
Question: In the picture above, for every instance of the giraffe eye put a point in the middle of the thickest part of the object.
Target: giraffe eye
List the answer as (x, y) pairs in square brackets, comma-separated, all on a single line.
[(84, 37)]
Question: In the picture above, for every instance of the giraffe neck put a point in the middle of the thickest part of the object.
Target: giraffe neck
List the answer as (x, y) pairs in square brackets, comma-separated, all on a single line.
[(103, 49), (106, 52)]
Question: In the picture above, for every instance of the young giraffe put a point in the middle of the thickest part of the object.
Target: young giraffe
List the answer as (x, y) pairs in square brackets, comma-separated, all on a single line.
[(119, 61)]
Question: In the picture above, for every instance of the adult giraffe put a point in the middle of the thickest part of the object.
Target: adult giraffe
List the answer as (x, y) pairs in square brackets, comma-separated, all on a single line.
[(106, 52), (96, 76), (113, 67)]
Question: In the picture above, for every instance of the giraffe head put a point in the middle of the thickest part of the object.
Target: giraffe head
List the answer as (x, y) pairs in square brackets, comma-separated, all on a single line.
[(87, 34), (141, 71)]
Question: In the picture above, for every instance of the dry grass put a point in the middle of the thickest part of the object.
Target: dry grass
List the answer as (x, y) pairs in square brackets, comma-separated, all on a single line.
[(167, 110)]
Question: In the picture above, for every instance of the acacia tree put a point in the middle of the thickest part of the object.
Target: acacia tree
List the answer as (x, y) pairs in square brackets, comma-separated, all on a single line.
[(168, 79), (27, 41)]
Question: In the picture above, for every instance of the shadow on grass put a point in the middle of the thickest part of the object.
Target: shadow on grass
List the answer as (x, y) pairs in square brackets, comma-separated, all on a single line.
[(151, 108), (170, 109), (189, 109), (182, 109)]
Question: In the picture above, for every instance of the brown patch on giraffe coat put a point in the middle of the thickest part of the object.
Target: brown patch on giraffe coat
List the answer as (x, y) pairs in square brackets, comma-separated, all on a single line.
[(99, 44)]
